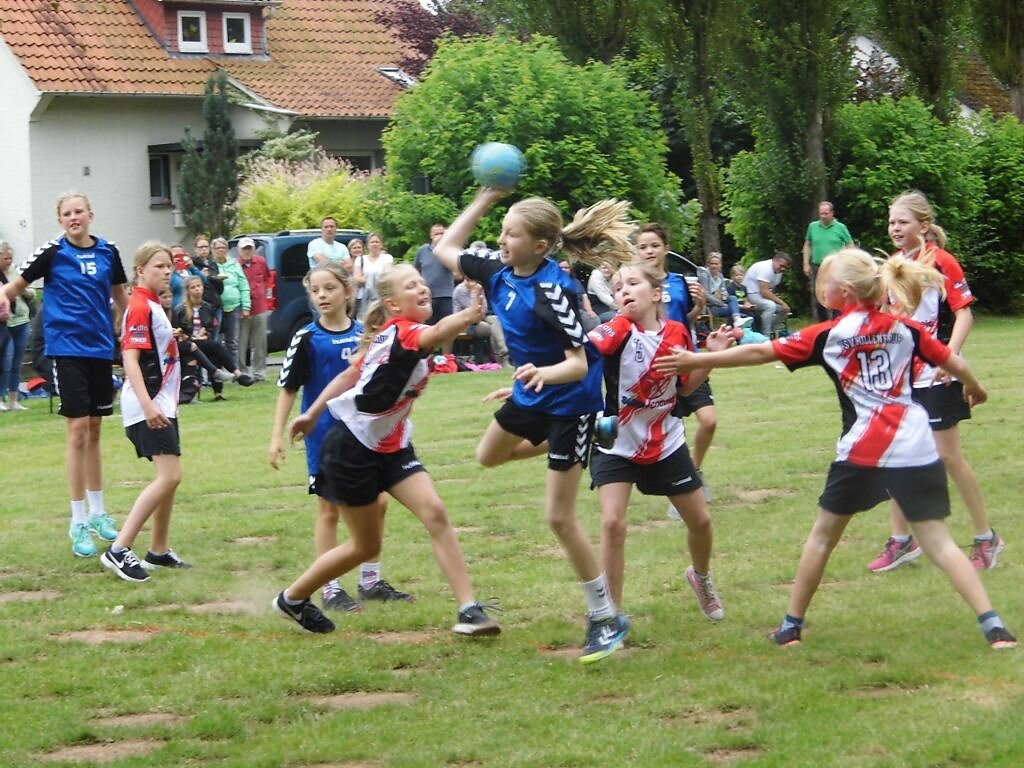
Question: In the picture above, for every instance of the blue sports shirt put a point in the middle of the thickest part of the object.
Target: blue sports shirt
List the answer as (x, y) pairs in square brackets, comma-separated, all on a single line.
[(77, 321), (676, 298), (314, 357), (539, 315)]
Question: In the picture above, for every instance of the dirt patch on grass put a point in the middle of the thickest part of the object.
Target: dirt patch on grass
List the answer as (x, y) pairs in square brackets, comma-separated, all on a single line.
[(655, 525), (139, 720), (99, 636), (409, 636), (881, 690), (362, 699), (251, 540), (468, 528), (28, 596), (552, 552), (732, 755), (225, 606), (731, 719), (339, 765), (762, 494), (105, 752)]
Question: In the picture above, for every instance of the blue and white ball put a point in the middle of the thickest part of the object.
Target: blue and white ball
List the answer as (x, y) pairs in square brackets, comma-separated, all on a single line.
[(497, 165)]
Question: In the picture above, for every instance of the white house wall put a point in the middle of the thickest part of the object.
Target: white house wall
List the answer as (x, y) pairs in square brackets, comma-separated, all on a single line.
[(99, 146), (18, 96)]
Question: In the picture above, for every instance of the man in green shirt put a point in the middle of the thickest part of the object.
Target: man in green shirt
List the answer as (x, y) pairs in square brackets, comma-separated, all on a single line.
[(824, 237)]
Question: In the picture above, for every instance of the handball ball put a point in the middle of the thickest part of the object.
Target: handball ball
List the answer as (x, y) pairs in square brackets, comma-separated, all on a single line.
[(497, 165)]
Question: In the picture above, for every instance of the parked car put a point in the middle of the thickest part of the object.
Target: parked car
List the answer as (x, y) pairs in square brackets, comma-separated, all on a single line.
[(285, 253)]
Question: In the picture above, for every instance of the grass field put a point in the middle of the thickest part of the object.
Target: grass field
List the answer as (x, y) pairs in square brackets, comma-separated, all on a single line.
[(193, 668)]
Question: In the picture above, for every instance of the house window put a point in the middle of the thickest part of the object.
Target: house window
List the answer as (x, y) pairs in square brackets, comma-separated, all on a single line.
[(159, 180), (192, 32), (237, 33)]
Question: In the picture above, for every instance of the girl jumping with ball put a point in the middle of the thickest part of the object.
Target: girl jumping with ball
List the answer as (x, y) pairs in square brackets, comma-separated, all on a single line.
[(557, 379)]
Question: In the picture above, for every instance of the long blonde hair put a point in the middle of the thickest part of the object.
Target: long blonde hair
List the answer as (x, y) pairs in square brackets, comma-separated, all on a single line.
[(188, 296), (600, 231), (377, 314), (896, 281)]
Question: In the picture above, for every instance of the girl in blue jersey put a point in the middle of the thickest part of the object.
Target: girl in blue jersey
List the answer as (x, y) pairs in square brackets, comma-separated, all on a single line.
[(557, 379), (81, 273), (369, 451), (317, 354)]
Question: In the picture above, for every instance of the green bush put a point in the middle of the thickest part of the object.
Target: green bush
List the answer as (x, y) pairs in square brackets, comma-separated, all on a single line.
[(585, 134)]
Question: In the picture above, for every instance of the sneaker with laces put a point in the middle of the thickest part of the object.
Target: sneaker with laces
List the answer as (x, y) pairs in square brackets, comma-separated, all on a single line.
[(341, 600), (475, 622), (894, 555), (305, 614), (168, 559), (103, 526), (384, 592), (707, 598), (786, 637), (985, 552), (244, 380), (1000, 638), (604, 636), (743, 322), (125, 564), (81, 540)]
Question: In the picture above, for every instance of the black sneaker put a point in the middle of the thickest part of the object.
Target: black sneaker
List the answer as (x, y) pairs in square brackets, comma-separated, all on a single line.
[(125, 564), (999, 638), (244, 380), (786, 637), (384, 592), (305, 614), (341, 601), (168, 559), (475, 622)]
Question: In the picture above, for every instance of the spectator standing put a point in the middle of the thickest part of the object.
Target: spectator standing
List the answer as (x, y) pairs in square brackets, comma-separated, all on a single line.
[(761, 280), (183, 269), (235, 297), (12, 354), (368, 269), (438, 279), (326, 248), (824, 237), (252, 333), (203, 260)]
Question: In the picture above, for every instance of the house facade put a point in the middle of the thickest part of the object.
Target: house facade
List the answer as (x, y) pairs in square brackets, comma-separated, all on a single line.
[(97, 95)]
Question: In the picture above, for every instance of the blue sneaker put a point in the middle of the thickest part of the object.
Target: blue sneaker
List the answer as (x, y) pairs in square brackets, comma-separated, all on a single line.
[(103, 526), (604, 636), (81, 540)]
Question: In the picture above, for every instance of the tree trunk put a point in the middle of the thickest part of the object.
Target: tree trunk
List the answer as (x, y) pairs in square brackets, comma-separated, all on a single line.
[(1017, 101), (814, 153)]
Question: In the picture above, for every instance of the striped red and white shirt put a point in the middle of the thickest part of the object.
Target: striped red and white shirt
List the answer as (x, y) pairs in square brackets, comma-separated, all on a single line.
[(869, 357)]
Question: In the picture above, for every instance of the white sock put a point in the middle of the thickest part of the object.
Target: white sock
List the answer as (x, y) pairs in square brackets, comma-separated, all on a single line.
[(95, 503), (599, 602), (985, 536), (369, 574), (78, 512), (903, 538)]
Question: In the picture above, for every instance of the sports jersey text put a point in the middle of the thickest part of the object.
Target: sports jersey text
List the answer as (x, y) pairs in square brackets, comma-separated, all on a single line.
[(872, 339)]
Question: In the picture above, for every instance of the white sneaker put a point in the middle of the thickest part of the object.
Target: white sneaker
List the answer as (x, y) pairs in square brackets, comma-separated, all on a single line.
[(3, 408), (742, 322), (672, 513), (17, 407)]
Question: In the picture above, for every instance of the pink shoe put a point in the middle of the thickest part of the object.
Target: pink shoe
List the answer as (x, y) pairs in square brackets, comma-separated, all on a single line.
[(894, 555), (985, 553)]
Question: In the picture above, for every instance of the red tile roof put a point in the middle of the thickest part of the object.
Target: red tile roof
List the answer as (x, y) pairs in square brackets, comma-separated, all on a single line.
[(323, 54)]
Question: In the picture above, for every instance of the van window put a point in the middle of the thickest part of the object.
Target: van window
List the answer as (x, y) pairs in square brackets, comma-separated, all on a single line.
[(294, 263)]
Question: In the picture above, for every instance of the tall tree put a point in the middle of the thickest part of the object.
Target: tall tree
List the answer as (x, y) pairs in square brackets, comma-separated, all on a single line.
[(999, 26), (684, 31), (926, 36), (209, 174)]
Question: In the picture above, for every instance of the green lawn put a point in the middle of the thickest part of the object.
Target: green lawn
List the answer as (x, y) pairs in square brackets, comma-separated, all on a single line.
[(193, 668)]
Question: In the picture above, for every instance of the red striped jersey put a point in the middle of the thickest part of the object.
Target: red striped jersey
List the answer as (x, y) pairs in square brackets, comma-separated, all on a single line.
[(392, 374), (641, 397), (869, 355), (935, 313)]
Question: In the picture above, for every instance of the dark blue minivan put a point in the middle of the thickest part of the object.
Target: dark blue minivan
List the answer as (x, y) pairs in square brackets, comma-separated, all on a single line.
[(285, 253)]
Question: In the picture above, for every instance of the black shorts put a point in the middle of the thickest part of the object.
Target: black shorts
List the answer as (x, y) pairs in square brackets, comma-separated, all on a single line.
[(353, 475), (921, 492), (945, 404), (85, 386), (154, 442), (701, 397), (440, 308), (673, 475), (568, 436)]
